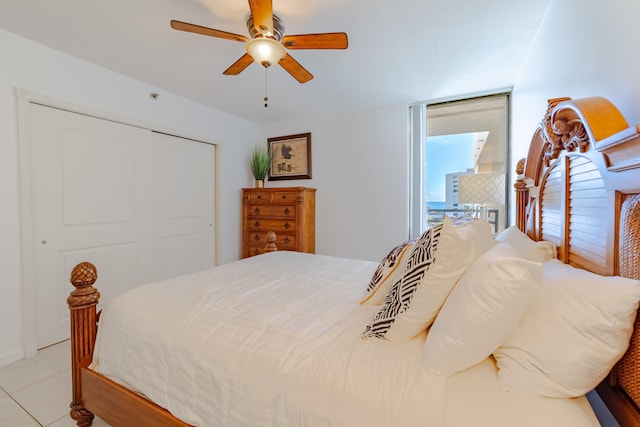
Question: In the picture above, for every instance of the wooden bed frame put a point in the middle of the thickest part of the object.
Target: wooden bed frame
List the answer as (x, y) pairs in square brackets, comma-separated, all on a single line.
[(95, 394), (579, 188)]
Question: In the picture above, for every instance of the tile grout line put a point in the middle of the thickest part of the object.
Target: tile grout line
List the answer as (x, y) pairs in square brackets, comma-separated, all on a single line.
[(21, 406), (25, 410)]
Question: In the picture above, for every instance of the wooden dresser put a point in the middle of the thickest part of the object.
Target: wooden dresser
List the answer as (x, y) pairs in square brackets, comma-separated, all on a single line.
[(289, 212)]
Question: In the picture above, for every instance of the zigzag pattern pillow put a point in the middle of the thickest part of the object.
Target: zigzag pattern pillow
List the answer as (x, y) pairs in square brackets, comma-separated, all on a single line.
[(398, 299), (388, 272), (437, 261)]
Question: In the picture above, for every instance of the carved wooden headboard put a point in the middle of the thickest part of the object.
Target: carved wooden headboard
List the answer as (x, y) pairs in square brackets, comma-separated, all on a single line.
[(579, 187)]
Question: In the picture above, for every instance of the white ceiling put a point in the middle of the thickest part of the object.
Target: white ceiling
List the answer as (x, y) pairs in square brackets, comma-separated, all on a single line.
[(400, 51)]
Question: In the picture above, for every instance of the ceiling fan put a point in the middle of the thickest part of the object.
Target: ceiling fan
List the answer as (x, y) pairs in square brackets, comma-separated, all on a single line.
[(268, 43)]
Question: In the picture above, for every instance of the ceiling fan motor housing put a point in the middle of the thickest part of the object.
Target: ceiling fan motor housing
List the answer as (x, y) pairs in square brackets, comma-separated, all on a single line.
[(278, 29)]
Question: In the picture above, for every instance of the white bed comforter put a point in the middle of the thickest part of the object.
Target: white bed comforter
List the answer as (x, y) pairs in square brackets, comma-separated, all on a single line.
[(274, 340)]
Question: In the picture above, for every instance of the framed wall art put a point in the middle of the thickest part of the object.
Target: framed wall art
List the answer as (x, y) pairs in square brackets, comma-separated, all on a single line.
[(290, 157)]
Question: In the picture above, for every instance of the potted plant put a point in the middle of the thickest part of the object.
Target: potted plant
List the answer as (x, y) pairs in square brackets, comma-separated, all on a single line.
[(260, 164)]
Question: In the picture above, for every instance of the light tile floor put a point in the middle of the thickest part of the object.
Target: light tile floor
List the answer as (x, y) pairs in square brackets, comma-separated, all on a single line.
[(37, 391)]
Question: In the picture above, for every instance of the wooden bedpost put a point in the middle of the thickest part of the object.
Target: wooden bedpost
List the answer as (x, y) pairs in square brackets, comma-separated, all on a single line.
[(522, 196), (271, 242), (82, 307)]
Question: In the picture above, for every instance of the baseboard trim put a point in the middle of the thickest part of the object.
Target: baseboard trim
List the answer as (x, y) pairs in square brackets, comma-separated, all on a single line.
[(10, 357)]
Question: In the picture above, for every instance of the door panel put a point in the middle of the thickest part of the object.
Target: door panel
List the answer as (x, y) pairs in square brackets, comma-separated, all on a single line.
[(183, 214), (90, 197), (98, 178)]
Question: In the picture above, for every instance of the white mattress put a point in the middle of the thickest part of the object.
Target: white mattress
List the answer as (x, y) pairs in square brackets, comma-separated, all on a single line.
[(274, 340)]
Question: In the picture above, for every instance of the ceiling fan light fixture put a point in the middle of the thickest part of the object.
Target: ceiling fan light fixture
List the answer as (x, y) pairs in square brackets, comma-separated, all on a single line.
[(265, 51)]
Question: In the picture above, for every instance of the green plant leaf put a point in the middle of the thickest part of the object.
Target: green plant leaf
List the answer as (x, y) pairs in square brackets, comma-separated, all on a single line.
[(260, 162)]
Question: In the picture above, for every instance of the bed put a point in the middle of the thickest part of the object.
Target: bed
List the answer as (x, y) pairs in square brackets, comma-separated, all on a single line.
[(288, 338)]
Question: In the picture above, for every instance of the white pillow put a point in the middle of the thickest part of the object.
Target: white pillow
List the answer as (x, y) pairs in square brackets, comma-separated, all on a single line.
[(482, 310), (389, 271), (436, 262), (578, 327), (525, 247)]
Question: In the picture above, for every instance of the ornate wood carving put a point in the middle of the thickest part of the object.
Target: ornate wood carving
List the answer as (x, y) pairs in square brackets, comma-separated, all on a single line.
[(572, 134), (552, 142), (580, 124), (561, 133), (588, 125)]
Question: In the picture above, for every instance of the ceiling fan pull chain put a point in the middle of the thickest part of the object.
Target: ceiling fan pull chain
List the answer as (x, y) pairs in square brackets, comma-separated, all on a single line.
[(266, 82)]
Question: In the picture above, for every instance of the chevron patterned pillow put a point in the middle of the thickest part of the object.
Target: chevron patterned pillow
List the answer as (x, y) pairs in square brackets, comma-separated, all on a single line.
[(437, 261), (388, 272)]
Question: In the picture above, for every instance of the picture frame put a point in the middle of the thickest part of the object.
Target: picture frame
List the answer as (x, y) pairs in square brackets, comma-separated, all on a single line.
[(290, 157)]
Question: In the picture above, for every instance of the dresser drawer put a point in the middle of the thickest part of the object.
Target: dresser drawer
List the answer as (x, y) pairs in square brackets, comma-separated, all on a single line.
[(276, 225), (284, 196), (262, 211), (254, 250), (258, 240), (257, 196)]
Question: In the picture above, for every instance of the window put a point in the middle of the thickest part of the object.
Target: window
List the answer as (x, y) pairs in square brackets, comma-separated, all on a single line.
[(458, 161)]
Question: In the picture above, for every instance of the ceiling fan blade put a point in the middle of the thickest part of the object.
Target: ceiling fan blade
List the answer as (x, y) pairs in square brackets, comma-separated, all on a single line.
[(238, 66), (262, 13), (296, 70), (316, 41), (192, 28)]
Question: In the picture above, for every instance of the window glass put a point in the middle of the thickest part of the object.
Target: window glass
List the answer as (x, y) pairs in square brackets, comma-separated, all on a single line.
[(467, 138)]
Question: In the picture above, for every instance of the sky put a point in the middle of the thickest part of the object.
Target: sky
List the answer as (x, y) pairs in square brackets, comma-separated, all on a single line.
[(446, 154)]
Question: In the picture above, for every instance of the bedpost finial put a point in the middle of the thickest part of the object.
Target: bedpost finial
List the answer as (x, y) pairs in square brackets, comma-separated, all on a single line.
[(271, 242), (83, 276)]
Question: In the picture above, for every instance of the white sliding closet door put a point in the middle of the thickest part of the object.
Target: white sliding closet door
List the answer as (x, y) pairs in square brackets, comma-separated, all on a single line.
[(183, 206), (131, 201)]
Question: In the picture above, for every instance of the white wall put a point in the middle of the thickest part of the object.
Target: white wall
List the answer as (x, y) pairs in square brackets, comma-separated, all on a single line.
[(359, 161), (48, 73), (582, 49)]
